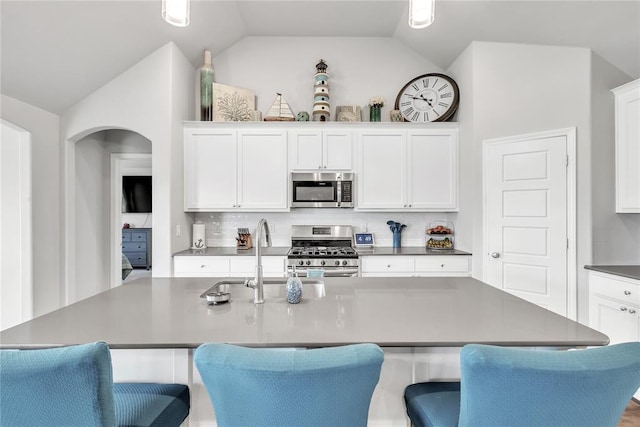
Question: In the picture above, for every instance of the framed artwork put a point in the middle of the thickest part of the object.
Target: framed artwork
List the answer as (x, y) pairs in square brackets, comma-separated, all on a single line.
[(348, 113), (232, 104)]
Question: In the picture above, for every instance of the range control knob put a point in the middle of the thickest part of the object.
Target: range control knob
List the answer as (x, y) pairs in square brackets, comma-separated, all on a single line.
[(323, 262), (300, 262), (344, 262), (308, 262), (337, 262)]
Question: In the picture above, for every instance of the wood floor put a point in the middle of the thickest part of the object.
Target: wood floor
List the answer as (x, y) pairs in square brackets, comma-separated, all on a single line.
[(631, 416)]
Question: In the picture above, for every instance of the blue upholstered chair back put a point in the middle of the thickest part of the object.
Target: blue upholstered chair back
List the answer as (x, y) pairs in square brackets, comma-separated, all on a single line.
[(517, 387), (260, 387), (70, 386)]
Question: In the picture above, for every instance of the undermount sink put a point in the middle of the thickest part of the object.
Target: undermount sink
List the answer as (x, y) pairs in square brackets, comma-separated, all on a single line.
[(274, 289)]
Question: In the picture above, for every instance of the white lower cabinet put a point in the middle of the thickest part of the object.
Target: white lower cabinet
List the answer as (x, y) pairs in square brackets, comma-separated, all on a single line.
[(614, 307), (415, 266), (227, 266)]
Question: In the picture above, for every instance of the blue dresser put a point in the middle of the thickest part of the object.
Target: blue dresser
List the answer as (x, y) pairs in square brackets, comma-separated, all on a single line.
[(136, 246)]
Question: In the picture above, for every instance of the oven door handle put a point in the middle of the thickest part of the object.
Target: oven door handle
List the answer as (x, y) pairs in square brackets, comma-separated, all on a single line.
[(343, 272)]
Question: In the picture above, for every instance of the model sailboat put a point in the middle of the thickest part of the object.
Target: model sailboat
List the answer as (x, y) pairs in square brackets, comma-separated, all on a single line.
[(279, 111)]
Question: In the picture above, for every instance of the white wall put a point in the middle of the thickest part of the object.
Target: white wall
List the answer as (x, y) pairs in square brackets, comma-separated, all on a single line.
[(142, 100), (616, 237), (221, 227), (462, 72), (91, 217), (16, 291), (358, 68), (45, 164), (518, 89)]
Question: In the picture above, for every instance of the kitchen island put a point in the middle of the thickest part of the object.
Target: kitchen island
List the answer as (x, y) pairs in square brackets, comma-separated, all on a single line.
[(153, 325)]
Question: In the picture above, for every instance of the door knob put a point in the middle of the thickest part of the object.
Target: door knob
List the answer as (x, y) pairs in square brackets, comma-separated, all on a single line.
[(495, 255)]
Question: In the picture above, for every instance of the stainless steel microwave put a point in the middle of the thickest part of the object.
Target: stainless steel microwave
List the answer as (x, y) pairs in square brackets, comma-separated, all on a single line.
[(322, 190)]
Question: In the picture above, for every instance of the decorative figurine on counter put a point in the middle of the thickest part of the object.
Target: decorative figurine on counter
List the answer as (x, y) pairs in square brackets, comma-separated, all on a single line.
[(279, 111), (302, 116), (396, 229), (321, 106), (294, 288)]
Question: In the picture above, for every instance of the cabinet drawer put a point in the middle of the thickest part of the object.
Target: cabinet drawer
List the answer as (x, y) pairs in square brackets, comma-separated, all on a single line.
[(134, 247), (201, 264), (383, 264), (126, 237), (454, 264), (247, 264), (138, 237), (137, 258), (620, 288)]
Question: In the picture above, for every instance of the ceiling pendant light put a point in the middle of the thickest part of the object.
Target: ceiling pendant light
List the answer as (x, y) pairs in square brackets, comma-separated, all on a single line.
[(421, 13), (176, 12)]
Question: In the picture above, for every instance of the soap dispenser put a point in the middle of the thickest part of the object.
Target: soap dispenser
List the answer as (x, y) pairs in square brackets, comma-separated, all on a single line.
[(294, 288)]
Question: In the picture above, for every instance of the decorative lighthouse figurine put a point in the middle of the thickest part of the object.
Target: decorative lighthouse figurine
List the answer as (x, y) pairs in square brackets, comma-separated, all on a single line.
[(321, 107)]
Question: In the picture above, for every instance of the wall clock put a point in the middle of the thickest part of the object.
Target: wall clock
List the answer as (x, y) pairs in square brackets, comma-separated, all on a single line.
[(431, 97)]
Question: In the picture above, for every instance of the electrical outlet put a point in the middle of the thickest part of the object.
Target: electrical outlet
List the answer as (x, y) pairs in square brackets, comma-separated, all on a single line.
[(178, 230)]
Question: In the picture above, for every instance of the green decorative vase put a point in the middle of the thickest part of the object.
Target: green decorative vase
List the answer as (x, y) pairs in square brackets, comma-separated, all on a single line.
[(374, 113)]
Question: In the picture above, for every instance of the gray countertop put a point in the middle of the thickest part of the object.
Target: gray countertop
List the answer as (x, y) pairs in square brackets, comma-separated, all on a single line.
[(282, 251), (231, 250), (630, 271), (392, 312), (408, 250)]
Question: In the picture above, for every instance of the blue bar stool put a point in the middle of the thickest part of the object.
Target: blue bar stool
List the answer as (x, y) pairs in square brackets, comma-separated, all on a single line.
[(264, 387), (73, 386), (513, 387)]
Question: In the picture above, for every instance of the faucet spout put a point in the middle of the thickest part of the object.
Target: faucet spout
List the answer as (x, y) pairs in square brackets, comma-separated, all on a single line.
[(258, 282)]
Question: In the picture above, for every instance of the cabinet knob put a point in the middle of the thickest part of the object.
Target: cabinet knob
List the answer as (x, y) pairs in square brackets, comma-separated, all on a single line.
[(202, 266), (627, 292), (495, 255), (632, 311), (409, 205), (623, 308), (388, 265), (319, 167), (442, 265)]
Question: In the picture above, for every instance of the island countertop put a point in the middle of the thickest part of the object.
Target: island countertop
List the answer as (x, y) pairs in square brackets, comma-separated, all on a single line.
[(392, 312)]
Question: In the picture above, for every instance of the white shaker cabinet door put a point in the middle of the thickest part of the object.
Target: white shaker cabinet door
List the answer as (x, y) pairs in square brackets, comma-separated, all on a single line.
[(337, 149), (319, 150), (263, 179), (432, 160), (628, 147), (382, 170), (210, 159), (306, 150)]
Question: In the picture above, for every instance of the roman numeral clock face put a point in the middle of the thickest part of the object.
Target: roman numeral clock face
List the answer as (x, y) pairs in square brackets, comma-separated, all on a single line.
[(428, 98)]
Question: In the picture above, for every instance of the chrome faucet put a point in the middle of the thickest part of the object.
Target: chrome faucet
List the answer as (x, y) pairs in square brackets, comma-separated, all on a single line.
[(257, 283)]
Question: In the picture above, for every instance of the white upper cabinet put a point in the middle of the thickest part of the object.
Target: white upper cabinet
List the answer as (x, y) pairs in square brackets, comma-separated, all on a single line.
[(627, 119), (315, 149), (230, 170), (414, 170)]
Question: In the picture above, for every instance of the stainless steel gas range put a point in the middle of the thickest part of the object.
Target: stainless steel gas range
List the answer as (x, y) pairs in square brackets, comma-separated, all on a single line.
[(323, 247)]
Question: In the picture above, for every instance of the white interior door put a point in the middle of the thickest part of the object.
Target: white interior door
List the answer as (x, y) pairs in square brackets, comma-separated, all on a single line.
[(16, 292), (527, 237)]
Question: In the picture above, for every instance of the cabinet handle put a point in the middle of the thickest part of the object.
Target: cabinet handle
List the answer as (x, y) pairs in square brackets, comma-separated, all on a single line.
[(442, 265), (627, 292), (202, 266), (388, 265), (409, 205), (319, 167), (632, 311), (623, 308)]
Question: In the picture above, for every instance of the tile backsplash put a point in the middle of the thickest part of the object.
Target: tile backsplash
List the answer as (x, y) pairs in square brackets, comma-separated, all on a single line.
[(221, 227)]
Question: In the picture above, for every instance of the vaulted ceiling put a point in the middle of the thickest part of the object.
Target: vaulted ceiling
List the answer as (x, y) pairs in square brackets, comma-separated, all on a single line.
[(54, 53)]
